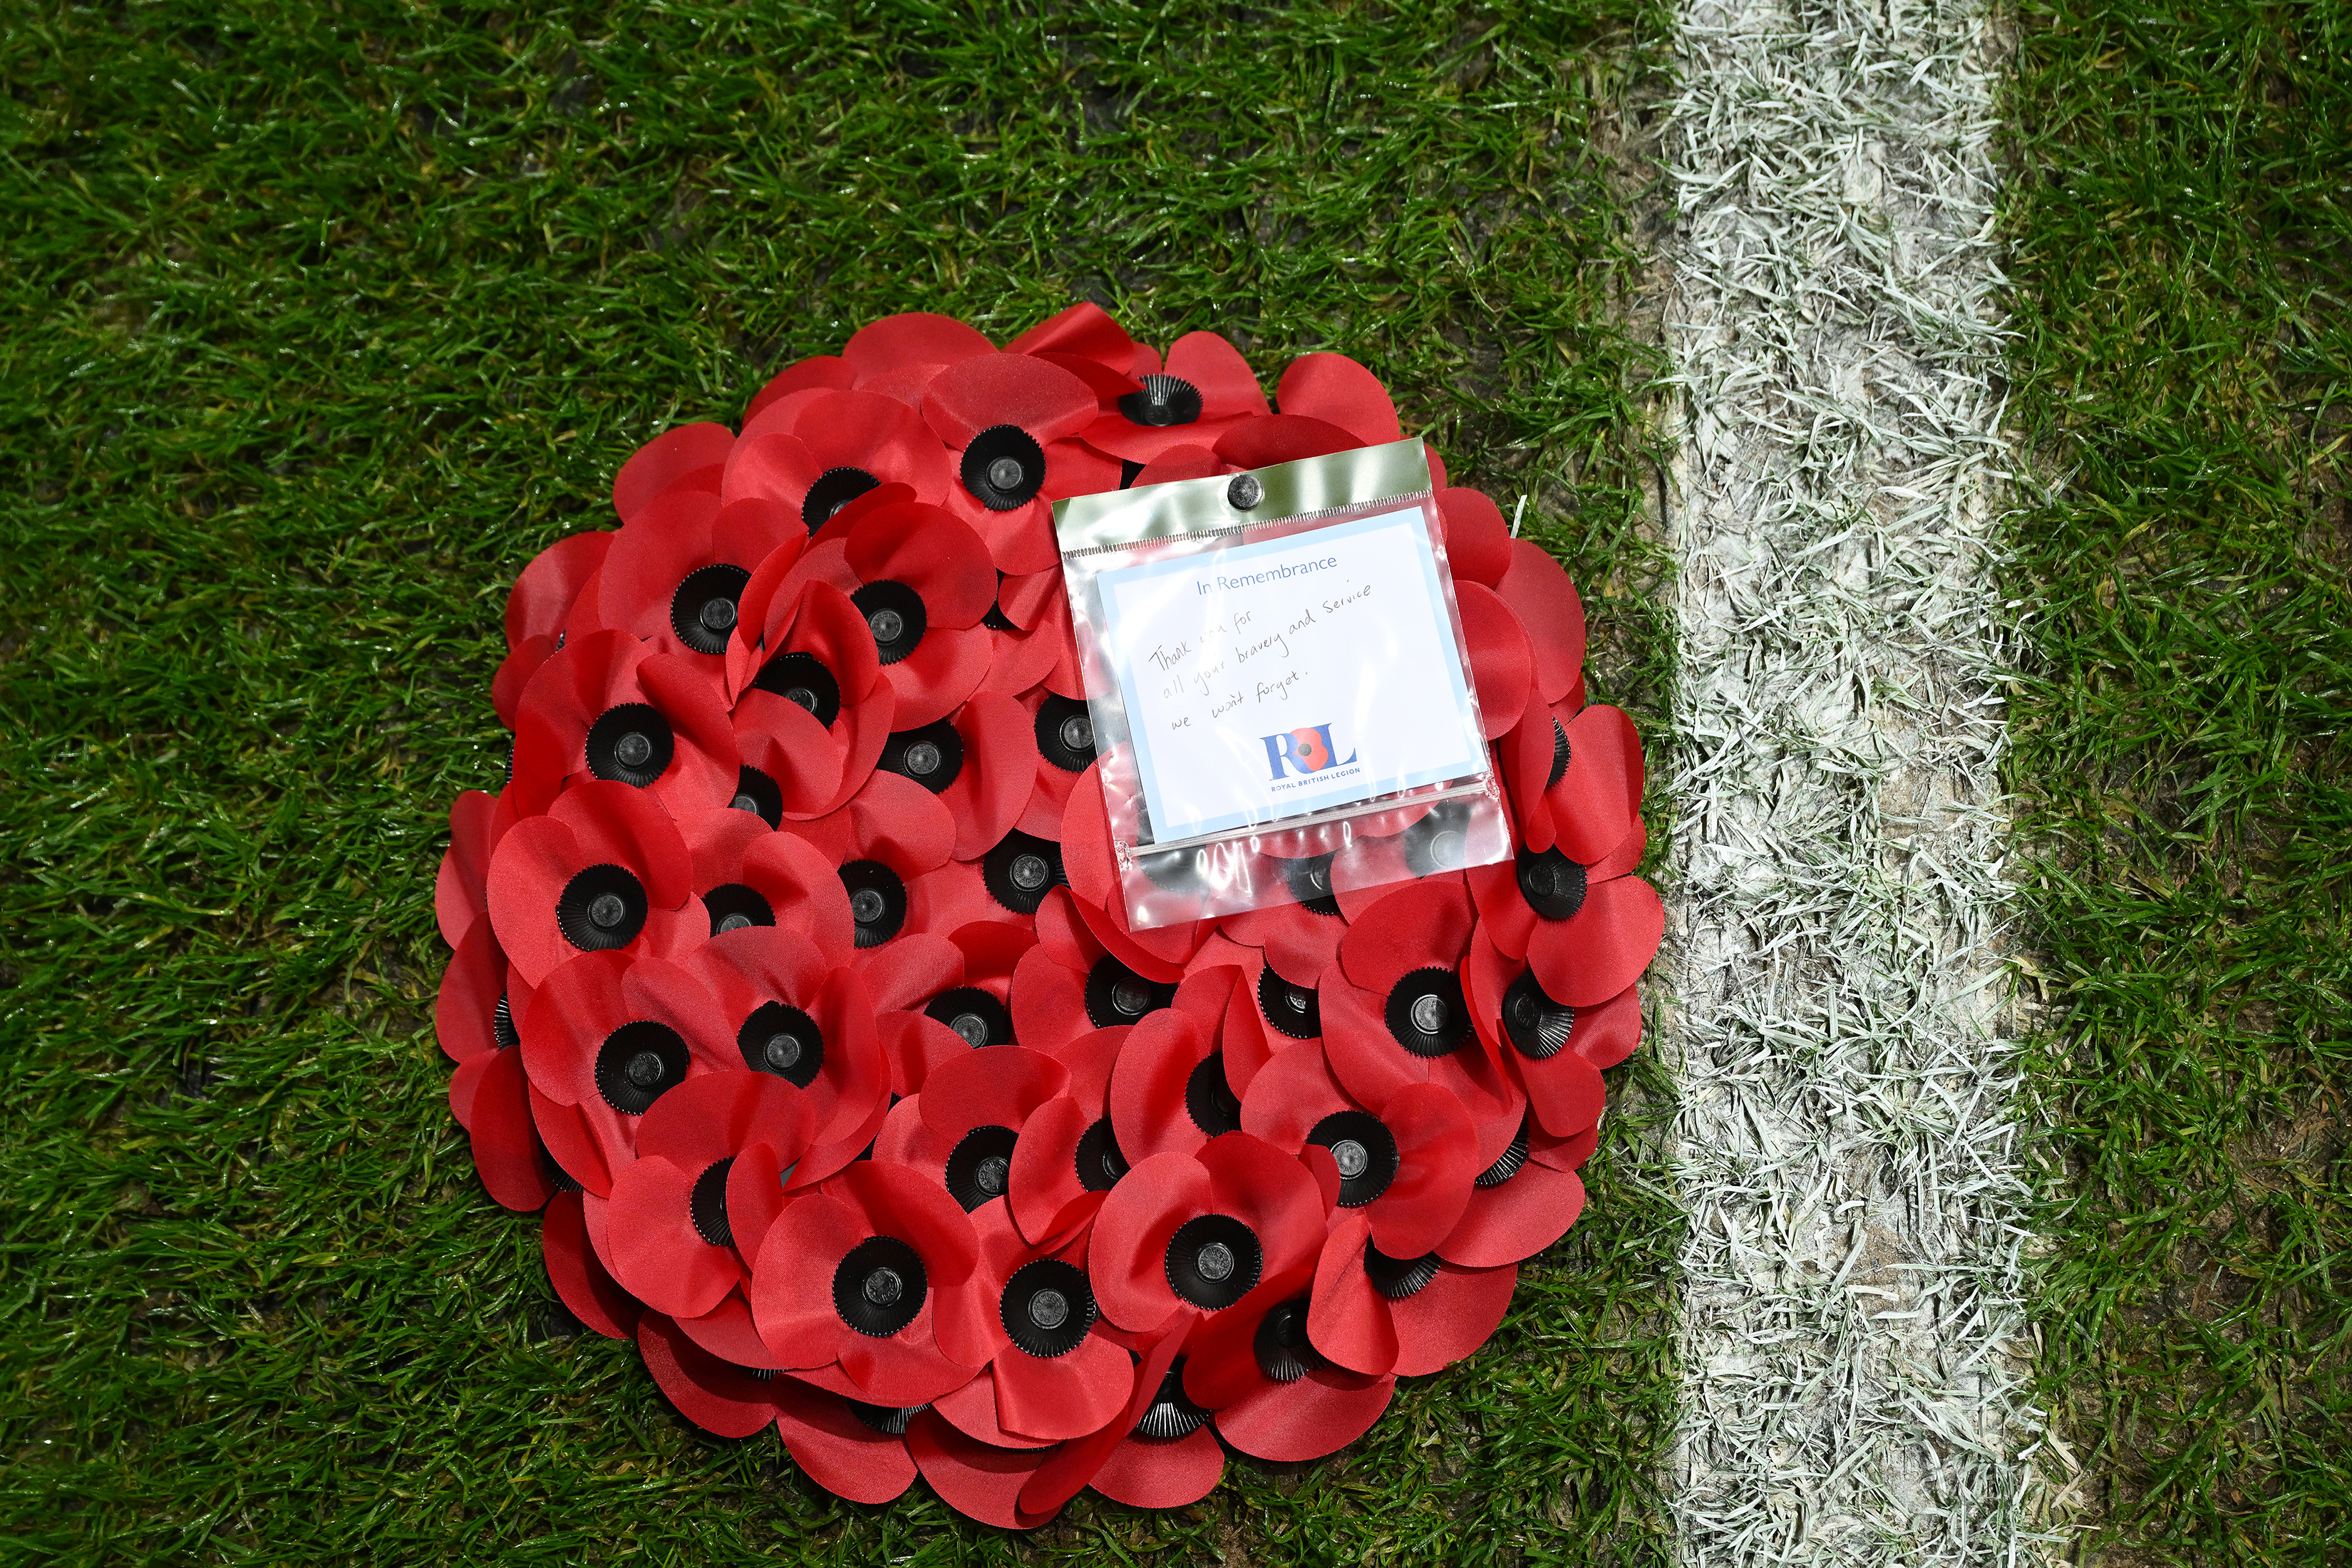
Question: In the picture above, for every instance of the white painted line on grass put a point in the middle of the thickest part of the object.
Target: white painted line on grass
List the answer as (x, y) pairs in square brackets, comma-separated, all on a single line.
[(1852, 1332)]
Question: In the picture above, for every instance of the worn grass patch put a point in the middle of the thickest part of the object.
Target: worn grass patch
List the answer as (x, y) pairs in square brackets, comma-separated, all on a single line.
[(2184, 218), (322, 319)]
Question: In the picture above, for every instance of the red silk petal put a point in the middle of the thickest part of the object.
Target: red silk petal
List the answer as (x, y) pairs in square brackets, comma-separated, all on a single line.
[(1227, 384), (580, 1277), (460, 889), (1320, 1414), (570, 1142), (931, 552), (1070, 1467), (1601, 949), (998, 772), (1335, 388), (1545, 603), (1419, 926), (1048, 1001), (818, 372), (1598, 797), (1107, 384), (629, 827), (1146, 1105), (724, 1400), (465, 1010), (1044, 1188), (998, 1086), (976, 1480), (1438, 1156), (1564, 1091), (914, 338), (1477, 543), (655, 1253), (792, 1279), (1267, 1190), (1127, 1261), (945, 667), (1057, 1397), (1043, 399), (1346, 1318), (900, 1203), (1143, 1474), (915, 1046), (728, 1332), (837, 1451), (755, 1196), (1607, 1034), (1500, 657), (1086, 330), (971, 1410), (805, 891), (1289, 1095), (1517, 1220), (544, 591), (1364, 1057), (667, 458), (1450, 1317), (505, 1141), (1282, 438), (716, 1115)]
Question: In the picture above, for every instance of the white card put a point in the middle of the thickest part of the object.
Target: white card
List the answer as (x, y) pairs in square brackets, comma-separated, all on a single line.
[(1292, 676)]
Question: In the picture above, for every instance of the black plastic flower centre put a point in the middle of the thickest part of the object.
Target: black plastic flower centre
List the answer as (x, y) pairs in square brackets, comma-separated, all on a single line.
[(1552, 884), (1213, 1260), (1293, 1010), (1165, 400), (980, 1166), (1398, 1278), (736, 906), (1364, 1150), (1427, 1014), (835, 488), (894, 615), (1210, 1099), (1283, 1351), (878, 900), (638, 1063), (1065, 733), (1176, 871), (802, 678), (1117, 995), (974, 1014), (708, 1208), (1438, 842), (1100, 1164), (702, 610), (891, 1420), (1003, 468), (601, 908), (780, 1038), (1309, 881), (1537, 1026), (502, 1025), (879, 1287), (1171, 1414), (1508, 1162), (758, 793), (630, 744), (1558, 754), (932, 756), (1021, 870), (1047, 1307)]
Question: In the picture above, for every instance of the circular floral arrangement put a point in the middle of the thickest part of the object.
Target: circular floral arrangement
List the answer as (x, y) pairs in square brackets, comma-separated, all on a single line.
[(793, 985)]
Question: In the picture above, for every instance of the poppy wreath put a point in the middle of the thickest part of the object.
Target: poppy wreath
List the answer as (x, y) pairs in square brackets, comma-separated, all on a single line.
[(791, 988)]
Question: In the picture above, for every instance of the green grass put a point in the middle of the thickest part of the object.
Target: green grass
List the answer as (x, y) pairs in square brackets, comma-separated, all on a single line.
[(320, 320), (2184, 219)]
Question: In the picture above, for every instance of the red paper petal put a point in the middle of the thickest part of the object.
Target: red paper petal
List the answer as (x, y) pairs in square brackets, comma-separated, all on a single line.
[(1335, 388), (1517, 1220), (1267, 1190), (915, 338), (1282, 438), (1147, 1099), (1424, 924), (1084, 329), (1545, 603), (460, 895), (1320, 1414), (1346, 1318), (998, 1086), (1070, 1467), (839, 1451), (1067, 1395), (505, 1142), (1599, 796), (1290, 1094), (1043, 399), (1437, 1158), (1477, 543), (971, 1410), (1500, 657), (580, 1277), (1127, 1262), (1228, 385), (1451, 1316), (976, 1480), (667, 458), (725, 1401), (1145, 1474), (463, 1012), (821, 372), (1601, 949)]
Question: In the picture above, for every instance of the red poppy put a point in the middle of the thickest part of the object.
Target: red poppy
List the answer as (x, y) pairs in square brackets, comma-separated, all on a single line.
[(1071, 985), (1406, 1161), (604, 870), (1086, 341), (605, 708), (1170, 1092), (1375, 1313), (812, 651), (825, 373), (1477, 541), (851, 1448), (1555, 1051), (1009, 422), (961, 1131), (460, 889), (1502, 660), (1394, 1012), (1546, 604), (1248, 1033), (1204, 390), (515, 1166), (722, 1398), (1157, 1453), (609, 1035), (937, 998), (899, 355), (1586, 931), (706, 1184), (1046, 1375), (810, 453), (852, 1279), (1337, 390), (538, 608), (1298, 933), (976, 762), (1061, 747), (1202, 1229), (796, 1014), (1003, 887), (1576, 782), (690, 457), (1524, 1202), (1068, 1155), (475, 1014), (1270, 1392), (678, 568), (889, 833), (747, 875), (583, 1283)]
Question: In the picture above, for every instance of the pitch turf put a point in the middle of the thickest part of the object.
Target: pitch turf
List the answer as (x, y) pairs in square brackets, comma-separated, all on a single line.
[(322, 319), (2184, 224)]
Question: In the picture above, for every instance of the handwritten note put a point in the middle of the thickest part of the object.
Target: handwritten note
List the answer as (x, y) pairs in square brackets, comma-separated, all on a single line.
[(1275, 680)]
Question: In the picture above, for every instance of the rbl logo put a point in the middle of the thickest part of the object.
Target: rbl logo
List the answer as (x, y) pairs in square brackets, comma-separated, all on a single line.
[(1304, 752)]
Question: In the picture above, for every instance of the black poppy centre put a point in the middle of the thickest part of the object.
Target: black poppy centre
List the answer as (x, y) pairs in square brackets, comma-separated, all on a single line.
[(1117, 995), (638, 1063), (833, 489), (758, 793), (1293, 1010), (1099, 1163), (974, 1015), (1309, 881), (1538, 1027), (1213, 1260), (1209, 1098), (1170, 1415), (802, 678), (1047, 1307), (1280, 1344), (894, 615), (780, 1038), (1364, 1150), (702, 610), (1426, 1013), (1021, 870), (878, 900), (1003, 468), (1439, 841), (737, 906), (879, 1287), (1399, 1277), (1165, 400), (707, 1207), (981, 1165), (602, 908), (932, 756), (1065, 733), (1552, 884), (630, 744)]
